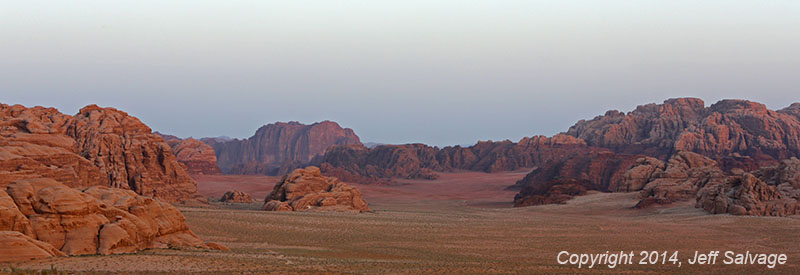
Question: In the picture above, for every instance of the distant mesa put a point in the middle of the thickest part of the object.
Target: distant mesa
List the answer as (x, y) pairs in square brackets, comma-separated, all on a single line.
[(308, 190), (198, 157), (279, 148), (235, 196)]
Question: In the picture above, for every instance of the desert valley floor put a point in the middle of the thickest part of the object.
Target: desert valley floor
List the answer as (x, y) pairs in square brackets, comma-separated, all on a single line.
[(460, 223)]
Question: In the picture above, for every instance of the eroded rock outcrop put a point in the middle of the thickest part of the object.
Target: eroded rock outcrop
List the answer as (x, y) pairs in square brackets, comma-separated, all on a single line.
[(278, 148), (96, 147), (574, 174), (308, 190), (198, 157), (96, 220), (678, 179), (724, 129), (770, 191), (234, 196), (360, 164)]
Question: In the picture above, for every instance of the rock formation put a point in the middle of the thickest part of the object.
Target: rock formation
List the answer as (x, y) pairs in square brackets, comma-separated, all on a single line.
[(355, 163), (18, 247), (728, 128), (677, 180), (280, 147), (58, 219), (560, 179), (198, 157), (234, 196), (308, 190), (770, 191), (96, 147)]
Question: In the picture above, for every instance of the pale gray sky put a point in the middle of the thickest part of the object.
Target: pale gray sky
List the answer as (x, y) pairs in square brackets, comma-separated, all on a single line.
[(438, 72)]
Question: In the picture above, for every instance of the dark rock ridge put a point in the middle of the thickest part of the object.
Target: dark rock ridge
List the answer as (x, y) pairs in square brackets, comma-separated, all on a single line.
[(561, 179), (356, 163), (279, 147), (726, 129), (308, 190), (198, 157), (96, 147)]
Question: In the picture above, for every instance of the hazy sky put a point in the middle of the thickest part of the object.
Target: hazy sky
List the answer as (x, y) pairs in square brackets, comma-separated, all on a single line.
[(439, 72)]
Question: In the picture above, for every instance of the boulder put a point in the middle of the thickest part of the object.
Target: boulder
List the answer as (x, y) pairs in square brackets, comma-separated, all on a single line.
[(234, 196)]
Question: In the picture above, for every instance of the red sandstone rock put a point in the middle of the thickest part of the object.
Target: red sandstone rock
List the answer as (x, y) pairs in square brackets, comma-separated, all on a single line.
[(234, 196), (769, 191), (97, 220), (277, 148), (198, 157), (356, 163), (18, 247), (677, 180), (308, 190), (574, 174), (725, 128), (96, 147)]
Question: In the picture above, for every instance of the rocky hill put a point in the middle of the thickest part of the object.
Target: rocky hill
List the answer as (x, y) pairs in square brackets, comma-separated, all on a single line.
[(726, 129), (279, 147), (198, 156), (96, 147)]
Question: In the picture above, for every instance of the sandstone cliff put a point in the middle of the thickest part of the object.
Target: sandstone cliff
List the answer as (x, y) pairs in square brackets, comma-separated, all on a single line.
[(198, 157), (728, 128), (96, 147), (280, 147)]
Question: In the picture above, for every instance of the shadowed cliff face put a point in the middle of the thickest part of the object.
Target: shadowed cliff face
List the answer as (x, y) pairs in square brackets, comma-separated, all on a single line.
[(96, 147), (728, 128), (198, 157), (280, 147)]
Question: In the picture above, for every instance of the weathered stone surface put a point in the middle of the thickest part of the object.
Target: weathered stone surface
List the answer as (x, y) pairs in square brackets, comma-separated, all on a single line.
[(769, 191), (234, 196), (574, 174), (677, 180), (724, 129), (97, 220), (198, 157), (96, 147), (280, 147), (308, 190), (18, 247)]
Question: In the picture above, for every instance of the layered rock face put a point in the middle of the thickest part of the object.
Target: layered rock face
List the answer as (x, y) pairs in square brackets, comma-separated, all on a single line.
[(96, 147), (728, 128), (678, 179), (234, 196), (418, 161), (308, 190), (770, 191), (559, 180), (280, 147), (55, 219), (198, 157)]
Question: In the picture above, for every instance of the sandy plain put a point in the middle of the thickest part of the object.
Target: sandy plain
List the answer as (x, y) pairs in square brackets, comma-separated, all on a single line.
[(461, 223)]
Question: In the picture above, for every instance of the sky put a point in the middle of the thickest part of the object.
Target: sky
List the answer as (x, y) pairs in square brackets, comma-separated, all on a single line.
[(438, 72)]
